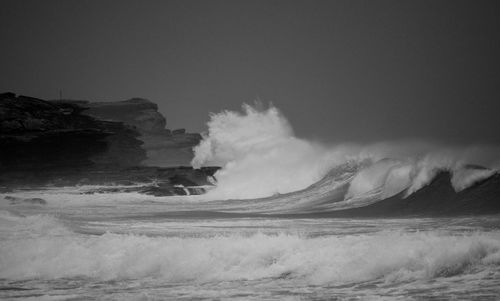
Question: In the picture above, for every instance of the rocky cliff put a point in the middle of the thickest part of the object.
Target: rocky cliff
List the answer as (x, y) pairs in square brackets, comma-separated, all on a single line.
[(71, 133), (164, 147), (68, 142), (38, 134), (138, 112)]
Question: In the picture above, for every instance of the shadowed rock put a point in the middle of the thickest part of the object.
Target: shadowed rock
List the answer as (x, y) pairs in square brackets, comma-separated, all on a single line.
[(38, 134), (163, 146), (74, 142), (30, 201)]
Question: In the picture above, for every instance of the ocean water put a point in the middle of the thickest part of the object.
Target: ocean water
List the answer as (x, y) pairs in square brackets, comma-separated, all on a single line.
[(266, 229), (127, 246)]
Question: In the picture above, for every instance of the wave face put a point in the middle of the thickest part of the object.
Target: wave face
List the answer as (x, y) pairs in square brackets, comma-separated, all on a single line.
[(263, 162)]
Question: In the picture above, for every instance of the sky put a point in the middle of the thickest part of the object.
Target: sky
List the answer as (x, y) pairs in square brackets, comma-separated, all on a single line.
[(356, 71)]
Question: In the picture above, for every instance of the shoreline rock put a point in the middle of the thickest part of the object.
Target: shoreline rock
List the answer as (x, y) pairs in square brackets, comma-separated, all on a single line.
[(38, 134), (155, 181), (74, 142), (164, 147)]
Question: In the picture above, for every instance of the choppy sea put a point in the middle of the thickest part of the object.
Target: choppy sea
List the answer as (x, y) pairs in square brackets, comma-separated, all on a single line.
[(127, 246)]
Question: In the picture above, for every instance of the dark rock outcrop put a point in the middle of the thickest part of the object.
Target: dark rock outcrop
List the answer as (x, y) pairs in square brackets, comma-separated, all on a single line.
[(163, 146), (143, 179), (39, 134), (179, 132), (73, 133), (25, 201), (68, 142)]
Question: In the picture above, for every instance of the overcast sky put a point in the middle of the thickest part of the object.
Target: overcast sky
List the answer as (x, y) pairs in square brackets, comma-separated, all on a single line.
[(359, 71)]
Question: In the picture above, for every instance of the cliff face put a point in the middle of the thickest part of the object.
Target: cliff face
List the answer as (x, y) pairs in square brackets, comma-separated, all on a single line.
[(67, 142), (140, 113), (163, 146), (38, 134), (59, 133)]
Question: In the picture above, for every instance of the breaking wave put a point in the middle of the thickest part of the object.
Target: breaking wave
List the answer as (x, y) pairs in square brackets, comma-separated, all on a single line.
[(388, 256), (261, 157)]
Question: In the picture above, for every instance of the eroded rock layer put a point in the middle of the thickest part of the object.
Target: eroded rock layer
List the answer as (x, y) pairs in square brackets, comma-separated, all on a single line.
[(39, 134)]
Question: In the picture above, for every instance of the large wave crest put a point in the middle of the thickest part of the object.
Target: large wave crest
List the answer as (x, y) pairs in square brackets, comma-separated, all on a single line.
[(260, 156)]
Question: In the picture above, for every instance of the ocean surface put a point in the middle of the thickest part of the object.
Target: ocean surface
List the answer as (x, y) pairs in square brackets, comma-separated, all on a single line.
[(128, 246)]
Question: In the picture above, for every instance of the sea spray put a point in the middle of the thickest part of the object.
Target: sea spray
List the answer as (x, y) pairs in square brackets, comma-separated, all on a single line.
[(260, 156)]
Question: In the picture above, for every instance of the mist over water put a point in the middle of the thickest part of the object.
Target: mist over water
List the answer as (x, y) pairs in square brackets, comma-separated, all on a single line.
[(260, 156)]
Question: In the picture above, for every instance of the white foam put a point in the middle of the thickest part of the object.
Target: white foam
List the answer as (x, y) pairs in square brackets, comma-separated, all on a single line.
[(465, 177), (388, 177), (71, 196), (392, 256), (259, 155)]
